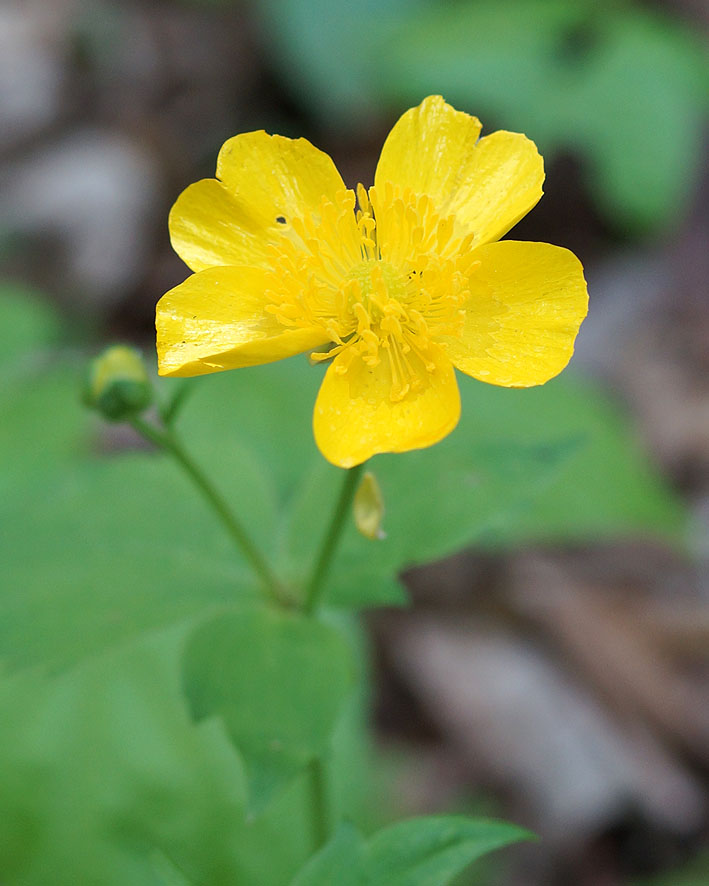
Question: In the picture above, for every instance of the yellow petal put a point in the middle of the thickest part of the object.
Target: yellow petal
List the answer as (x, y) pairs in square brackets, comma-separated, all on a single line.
[(429, 149), (488, 185), (276, 176), (216, 320), (209, 227), (356, 418), (266, 180), (527, 301)]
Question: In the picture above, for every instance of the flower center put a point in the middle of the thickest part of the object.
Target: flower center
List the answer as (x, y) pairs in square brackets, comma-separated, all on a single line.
[(387, 325), (384, 281), (377, 296)]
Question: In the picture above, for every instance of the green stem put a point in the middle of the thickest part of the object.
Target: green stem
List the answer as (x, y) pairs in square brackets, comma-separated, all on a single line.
[(167, 441), (319, 805), (171, 409), (329, 544)]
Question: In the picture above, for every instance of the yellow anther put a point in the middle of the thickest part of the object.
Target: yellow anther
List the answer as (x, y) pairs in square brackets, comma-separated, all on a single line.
[(391, 325), (320, 356), (361, 314), (332, 332), (398, 393), (363, 199), (466, 243), (444, 231), (370, 339)]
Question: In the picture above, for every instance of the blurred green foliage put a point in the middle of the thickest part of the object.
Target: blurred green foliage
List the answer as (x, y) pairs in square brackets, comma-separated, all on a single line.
[(104, 778), (623, 87), (104, 775), (694, 873), (277, 680), (100, 549), (421, 852)]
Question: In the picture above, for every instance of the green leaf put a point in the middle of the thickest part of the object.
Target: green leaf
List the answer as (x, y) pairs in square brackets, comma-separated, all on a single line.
[(41, 422), (28, 325), (480, 478), (694, 872), (570, 79), (325, 48), (554, 463), (341, 861), (606, 488), (431, 851), (267, 410), (436, 501), (104, 764), (643, 175), (428, 851), (103, 771), (104, 551), (560, 72), (168, 872), (99, 550), (96, 551), (277, 680), (40, 416)]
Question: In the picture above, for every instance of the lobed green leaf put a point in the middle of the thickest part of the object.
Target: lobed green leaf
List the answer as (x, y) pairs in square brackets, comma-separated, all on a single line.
[(278, 681), (97, 550), (428, 851)]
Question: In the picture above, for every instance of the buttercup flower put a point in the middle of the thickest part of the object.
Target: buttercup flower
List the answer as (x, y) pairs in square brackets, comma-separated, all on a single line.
[(394, 286)]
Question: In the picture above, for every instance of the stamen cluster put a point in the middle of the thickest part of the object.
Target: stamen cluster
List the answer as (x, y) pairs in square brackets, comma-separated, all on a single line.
[(381, 290)]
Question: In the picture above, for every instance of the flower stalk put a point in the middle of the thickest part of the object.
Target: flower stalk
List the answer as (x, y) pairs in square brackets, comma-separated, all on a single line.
[(319, 802), (315, 585)]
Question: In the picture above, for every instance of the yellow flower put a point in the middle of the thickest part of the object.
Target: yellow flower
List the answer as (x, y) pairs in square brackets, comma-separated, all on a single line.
[(401, 283)]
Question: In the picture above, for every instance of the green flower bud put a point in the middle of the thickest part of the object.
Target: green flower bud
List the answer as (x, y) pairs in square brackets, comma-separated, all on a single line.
[(369, 507), (118, 386)]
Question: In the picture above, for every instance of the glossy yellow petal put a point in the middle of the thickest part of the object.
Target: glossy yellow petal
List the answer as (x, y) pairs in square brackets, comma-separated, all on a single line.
[(355, 416), (210, 227), (488, 185), (264, 182), (277, 177), (429, 150), (505, 182), (217, 320), (527, 301)]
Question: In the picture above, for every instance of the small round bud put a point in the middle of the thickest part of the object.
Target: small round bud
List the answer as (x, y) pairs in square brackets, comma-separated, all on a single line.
[(369, 507), (118, 386)]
